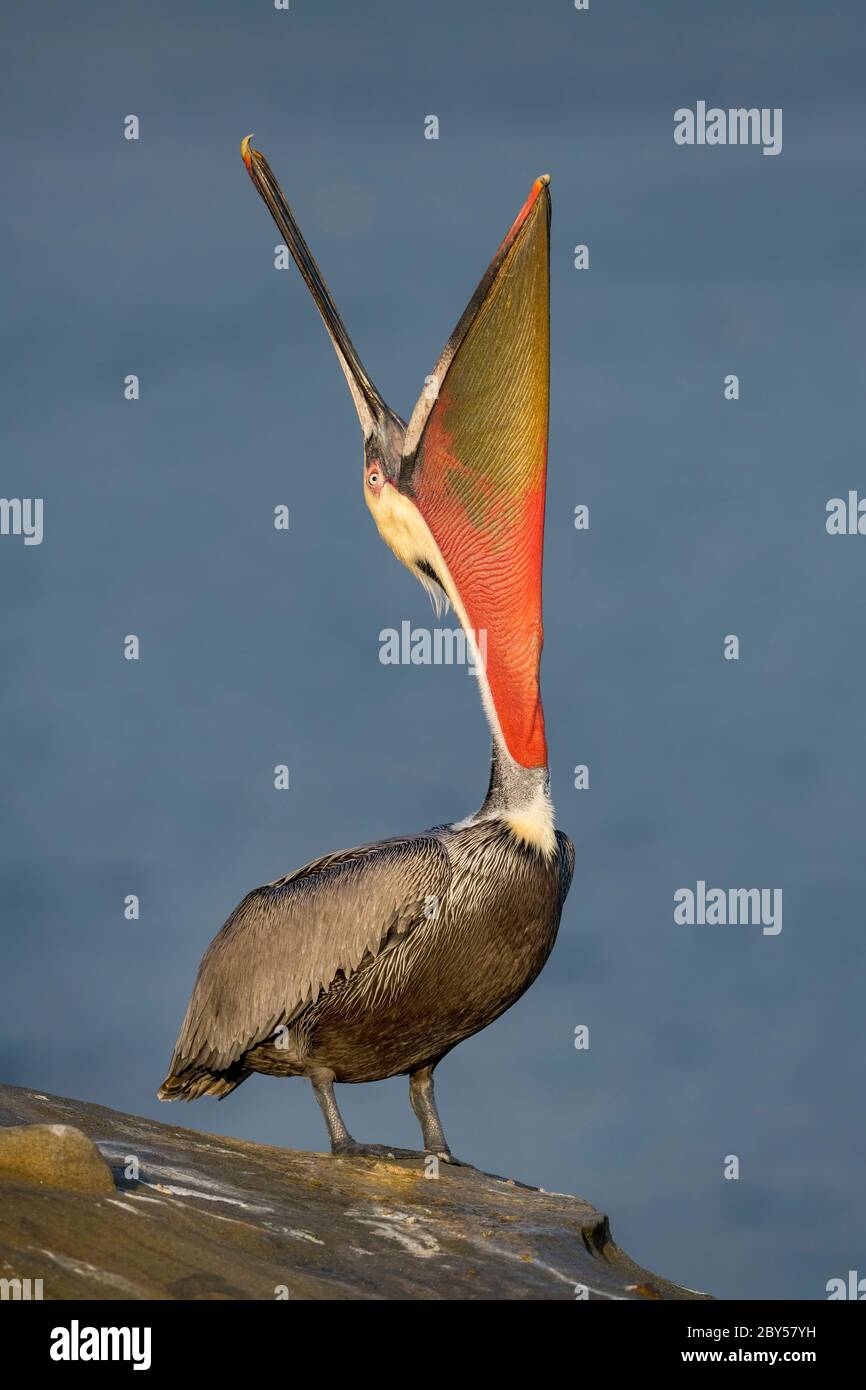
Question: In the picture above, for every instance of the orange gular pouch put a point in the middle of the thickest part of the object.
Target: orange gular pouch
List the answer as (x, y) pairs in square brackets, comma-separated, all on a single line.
[(479, 469)]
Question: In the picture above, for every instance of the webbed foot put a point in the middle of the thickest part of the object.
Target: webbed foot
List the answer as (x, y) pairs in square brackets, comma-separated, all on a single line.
[(446, 1156), (350, 1148)]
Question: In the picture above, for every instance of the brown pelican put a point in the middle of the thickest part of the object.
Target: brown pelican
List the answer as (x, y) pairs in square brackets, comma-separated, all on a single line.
[(375, 962)]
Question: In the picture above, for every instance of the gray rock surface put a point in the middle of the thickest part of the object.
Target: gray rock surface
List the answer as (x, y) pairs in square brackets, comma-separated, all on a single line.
[(197, 1216)]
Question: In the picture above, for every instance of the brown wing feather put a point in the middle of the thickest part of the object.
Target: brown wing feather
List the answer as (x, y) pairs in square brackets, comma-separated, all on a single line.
[(566, 863), (286, 943)]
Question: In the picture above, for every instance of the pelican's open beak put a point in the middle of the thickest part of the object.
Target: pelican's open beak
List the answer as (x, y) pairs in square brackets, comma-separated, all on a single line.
[(375, 416), (475, 468), (465, 511)]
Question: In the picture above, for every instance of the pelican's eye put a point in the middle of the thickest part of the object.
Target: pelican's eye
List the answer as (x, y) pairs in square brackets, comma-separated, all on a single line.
[(375, 478)]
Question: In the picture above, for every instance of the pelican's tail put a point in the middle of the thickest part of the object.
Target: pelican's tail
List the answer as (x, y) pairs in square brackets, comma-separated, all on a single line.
[(198, 1081)]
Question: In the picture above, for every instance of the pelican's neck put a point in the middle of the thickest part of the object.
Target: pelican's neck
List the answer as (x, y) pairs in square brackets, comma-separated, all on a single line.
[(520, 796)]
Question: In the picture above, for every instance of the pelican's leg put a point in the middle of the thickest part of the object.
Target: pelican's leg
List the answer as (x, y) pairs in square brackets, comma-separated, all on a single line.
[(342, 1143), (323, 1088), (424, 1105)]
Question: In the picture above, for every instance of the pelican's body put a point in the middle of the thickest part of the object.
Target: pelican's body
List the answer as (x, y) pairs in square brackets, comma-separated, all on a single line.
[(377, 961), (456, 924)]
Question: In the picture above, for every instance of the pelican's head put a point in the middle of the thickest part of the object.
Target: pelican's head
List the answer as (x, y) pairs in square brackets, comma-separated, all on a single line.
[(458, 494), (382, 428)]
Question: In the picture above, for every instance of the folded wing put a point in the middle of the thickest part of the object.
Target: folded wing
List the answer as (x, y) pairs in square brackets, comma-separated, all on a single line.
[(287, 943)]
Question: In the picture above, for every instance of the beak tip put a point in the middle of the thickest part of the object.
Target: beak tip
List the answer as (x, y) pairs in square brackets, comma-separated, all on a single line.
[(245, 152)]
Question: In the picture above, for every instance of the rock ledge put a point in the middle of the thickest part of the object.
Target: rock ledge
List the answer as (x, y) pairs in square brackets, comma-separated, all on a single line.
[(198, 1216)]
